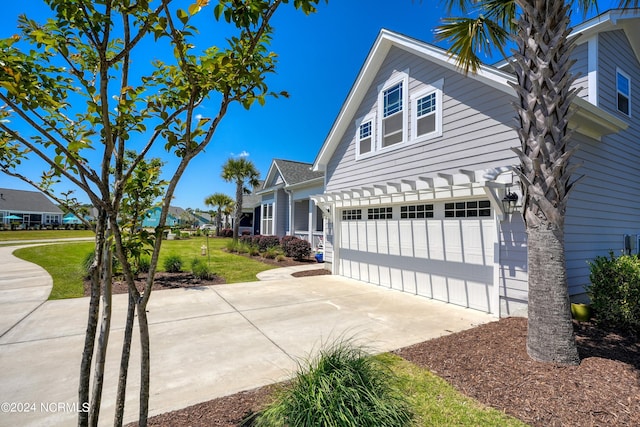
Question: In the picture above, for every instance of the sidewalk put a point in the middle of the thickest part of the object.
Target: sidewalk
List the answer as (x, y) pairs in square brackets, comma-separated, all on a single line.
[(285, 272)]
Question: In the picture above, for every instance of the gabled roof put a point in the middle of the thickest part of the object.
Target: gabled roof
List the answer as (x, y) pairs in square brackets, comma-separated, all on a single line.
[(627, 20), (592, 120), (26, 201), (292, 173)]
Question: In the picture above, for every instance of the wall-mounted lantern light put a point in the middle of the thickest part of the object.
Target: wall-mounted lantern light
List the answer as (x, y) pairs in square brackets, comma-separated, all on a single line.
[(510, 202)]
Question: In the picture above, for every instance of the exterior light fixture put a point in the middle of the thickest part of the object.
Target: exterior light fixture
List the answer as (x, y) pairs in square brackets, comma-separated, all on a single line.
[(509, 202)]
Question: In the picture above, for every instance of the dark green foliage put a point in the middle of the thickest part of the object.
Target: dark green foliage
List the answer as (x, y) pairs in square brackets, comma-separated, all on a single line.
[(266, 242), (172, 263), (200, 269), (144, 263), (615, 291), (343, 386), (284, 243), (296, 248)]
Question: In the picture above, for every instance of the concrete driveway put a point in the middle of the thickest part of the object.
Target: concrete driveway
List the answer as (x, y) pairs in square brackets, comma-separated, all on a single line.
[(205, 343)]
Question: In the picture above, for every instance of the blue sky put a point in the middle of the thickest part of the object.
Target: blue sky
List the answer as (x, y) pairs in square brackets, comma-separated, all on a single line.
[(320, 56)]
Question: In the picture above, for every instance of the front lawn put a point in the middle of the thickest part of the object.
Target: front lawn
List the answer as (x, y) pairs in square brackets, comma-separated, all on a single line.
[(64, 262), (11, 235)]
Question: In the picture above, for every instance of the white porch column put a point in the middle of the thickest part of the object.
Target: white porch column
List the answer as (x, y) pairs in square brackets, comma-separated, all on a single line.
[(312, 221)]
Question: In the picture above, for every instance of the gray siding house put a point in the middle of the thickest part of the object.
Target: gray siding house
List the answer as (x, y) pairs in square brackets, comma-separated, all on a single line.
[(27, 209), (286, 208), (418, 165)]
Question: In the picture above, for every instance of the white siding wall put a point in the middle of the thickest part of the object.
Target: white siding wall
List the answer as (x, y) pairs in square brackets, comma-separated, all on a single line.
[(581, 69), (513, 265), (477, 131)]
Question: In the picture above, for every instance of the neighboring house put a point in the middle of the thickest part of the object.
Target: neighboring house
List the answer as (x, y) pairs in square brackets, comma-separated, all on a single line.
[(419, 160), (175, 217), (250, 220), (71, 219), (286, 207), (27, 209)]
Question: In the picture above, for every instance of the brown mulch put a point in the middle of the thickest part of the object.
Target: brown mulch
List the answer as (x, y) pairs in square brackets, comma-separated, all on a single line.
[(490, 364)]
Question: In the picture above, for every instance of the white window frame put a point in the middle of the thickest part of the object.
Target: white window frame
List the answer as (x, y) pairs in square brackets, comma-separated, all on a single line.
[(368, 118), (402, 77), (434, 88), (619, 73)]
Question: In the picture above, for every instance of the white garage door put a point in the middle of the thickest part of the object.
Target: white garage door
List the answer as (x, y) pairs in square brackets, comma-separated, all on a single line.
[(448, 258)]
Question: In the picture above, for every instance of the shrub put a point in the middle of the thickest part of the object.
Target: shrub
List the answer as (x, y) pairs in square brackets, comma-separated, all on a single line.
[(266, 242), (298, 249), (144, 264), (285, 243), (615, 291), (172, 263), (272, 252), (343, 386), (226, 232), (200, 269)]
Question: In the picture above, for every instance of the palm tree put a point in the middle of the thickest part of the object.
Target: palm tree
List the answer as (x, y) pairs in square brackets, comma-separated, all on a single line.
[(220, 202), (240, 171), (544, 90)]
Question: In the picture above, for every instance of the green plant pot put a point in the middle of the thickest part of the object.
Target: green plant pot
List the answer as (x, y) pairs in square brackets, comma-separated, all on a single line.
[(581, 312)]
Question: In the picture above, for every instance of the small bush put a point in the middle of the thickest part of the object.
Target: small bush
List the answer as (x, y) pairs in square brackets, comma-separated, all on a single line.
[(298, 249), (280, 257), (172, 263), (343, 386), (144, 264), (615, 291), (272, 252), (226, 232), (266, 242), (232, 246), (200, 269), (285, 243)]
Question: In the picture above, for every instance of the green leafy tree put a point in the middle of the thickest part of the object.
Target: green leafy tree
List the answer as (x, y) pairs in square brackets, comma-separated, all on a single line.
[(71, 96), (242, 172), (220, 202), (542, 63)]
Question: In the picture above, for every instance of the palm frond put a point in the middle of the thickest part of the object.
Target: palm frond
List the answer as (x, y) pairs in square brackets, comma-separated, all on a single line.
[(469, 36)]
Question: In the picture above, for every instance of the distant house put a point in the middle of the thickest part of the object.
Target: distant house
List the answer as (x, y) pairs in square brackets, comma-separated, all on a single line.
[(27, 209), (71, 219), (286, 207)]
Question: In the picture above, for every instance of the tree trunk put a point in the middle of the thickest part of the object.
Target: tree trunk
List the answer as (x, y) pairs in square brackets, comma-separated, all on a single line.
[(545, 93), (124, 362), (238, 210), (550, 336), (92, 324), (103, 339), (145, 364)]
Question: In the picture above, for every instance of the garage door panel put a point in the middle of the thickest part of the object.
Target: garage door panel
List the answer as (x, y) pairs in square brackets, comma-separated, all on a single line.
[(447, 259)]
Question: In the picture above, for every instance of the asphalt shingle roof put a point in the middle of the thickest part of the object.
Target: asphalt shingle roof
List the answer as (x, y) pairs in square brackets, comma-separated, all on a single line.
[(296, 172), (26, 201)]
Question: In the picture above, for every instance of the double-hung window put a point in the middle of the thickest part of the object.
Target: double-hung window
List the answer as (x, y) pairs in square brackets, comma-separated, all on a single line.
[(426, 107), (365, 135), (623, 89), (392, 107)]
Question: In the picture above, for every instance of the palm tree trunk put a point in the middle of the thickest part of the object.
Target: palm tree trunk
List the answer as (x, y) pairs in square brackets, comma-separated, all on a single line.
[(238, 210), (545, 96), (550, 335)]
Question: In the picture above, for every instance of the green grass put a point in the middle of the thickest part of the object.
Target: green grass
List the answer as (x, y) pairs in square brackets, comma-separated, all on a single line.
[(7, 235), (437, 403), (64, 262)]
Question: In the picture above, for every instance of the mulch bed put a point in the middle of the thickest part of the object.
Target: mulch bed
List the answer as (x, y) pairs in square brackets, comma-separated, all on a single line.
[(490, 364)]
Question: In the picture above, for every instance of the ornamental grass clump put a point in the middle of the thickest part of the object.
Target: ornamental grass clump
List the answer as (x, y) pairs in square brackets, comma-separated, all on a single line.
[(343, 386)]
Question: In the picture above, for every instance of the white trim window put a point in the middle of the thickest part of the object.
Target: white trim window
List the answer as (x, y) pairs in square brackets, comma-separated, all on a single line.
[(623, 92), (365, 135), (426, 116), (267, 219), (392, 106)]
